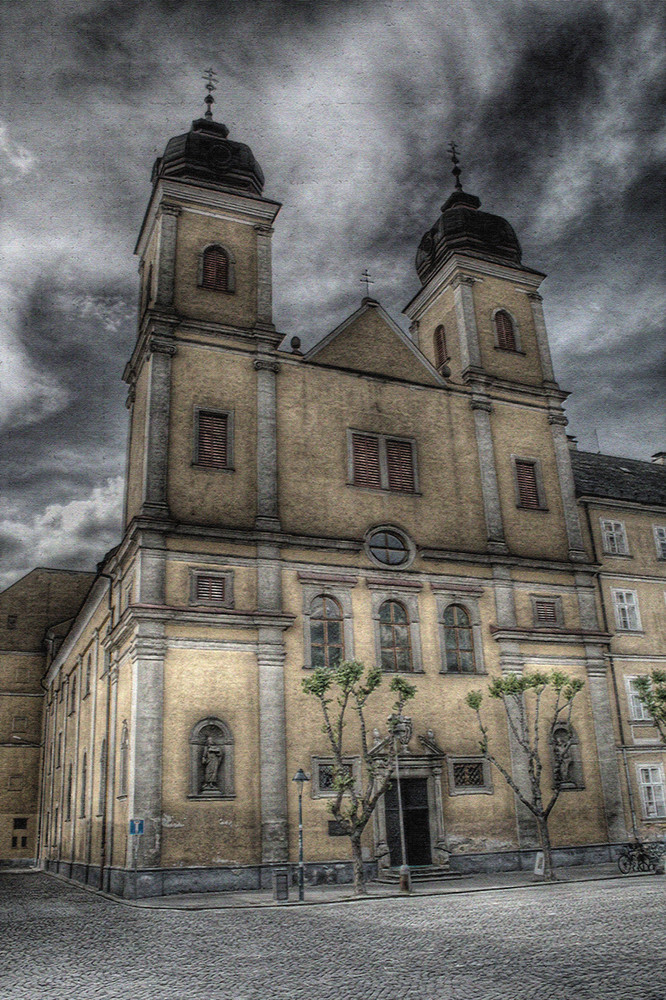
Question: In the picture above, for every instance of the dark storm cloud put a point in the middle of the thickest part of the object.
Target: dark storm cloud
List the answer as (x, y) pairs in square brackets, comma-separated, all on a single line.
[(349, 106)]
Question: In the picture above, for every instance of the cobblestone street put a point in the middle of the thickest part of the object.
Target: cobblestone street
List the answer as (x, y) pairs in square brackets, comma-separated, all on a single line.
[(600, 940)]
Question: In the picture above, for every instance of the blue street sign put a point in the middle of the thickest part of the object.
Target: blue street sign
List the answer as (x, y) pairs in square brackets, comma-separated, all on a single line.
[(136, 826)]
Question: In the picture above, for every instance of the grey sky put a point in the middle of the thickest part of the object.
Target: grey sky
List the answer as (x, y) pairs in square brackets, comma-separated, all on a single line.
[(557, 107)]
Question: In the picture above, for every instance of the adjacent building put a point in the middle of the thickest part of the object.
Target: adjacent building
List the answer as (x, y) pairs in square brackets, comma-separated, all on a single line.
[(407, 500)]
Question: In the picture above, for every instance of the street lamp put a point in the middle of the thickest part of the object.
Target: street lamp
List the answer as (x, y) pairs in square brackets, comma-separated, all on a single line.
[(300, 778), (402, 733)]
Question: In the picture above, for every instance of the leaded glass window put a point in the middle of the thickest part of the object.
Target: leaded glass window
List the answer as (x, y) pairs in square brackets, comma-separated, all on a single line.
[(394, 638), (459, 643), (326, 636)]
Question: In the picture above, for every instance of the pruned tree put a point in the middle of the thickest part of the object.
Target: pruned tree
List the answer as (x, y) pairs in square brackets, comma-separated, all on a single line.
[(651, 689), (347, 687), (537, 705)]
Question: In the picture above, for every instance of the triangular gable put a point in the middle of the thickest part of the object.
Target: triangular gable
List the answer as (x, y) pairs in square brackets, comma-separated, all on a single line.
[(370, 341)]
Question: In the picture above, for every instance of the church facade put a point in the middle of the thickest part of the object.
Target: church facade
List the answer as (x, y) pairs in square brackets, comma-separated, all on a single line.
[(406, 500)]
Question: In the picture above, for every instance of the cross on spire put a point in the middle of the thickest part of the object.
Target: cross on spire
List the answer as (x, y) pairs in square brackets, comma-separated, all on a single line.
[(211, 77), (365, 277), (453, 151)]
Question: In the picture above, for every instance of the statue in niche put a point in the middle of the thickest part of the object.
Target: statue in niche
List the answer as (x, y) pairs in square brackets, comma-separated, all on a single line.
[(211, 758), (564, 762)]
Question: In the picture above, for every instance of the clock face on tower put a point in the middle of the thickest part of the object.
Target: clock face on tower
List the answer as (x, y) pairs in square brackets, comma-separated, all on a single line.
[(219, 155)]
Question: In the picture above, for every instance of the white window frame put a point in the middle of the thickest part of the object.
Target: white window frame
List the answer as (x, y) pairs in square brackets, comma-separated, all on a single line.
[(613, 537), (383, 462), (659, 531), (620, 604), (655, 780), (637, 710)]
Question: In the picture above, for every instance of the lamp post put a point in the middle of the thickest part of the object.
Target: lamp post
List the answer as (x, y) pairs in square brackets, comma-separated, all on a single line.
[(402, 733), (300, 778)]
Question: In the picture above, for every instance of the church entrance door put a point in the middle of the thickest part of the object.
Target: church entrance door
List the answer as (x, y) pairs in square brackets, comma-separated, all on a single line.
[(416, 822)]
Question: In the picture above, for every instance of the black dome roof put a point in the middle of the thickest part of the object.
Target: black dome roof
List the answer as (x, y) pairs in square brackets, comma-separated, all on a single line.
[(462, 228), (205, 155)]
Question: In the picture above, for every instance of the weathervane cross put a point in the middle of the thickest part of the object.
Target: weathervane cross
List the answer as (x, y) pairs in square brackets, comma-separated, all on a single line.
[(453, 151), (211, 84), (365, 277)]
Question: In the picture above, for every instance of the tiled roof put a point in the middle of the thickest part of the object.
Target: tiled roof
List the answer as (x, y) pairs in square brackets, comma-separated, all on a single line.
[(619, 478)]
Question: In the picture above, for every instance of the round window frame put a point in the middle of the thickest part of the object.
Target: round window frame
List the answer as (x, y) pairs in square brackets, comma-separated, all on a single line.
[(410, 548)]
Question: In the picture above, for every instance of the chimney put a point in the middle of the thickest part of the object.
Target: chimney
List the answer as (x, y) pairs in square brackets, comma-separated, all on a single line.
[(659, 458), (572, 441)]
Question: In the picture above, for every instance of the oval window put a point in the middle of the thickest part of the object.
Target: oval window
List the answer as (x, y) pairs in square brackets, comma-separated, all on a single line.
[(388, 547)]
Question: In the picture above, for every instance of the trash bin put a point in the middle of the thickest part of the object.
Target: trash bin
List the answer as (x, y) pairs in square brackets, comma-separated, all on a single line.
[(281, 884)]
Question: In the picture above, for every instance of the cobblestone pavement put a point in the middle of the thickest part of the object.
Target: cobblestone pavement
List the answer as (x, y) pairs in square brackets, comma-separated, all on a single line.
[(596, 940)]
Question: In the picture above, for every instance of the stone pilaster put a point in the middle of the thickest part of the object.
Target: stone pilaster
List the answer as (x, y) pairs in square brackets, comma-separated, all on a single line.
[(482, 407), (541, 336), (511, 662), (267, 486), (609, 772), (558, 422), (264, 276), (166, 264), (112, 694), (273, 750), (468, 335), (152, 568), (157, 428), (76, 807), (145, 765), (91, 749), (587, 604)]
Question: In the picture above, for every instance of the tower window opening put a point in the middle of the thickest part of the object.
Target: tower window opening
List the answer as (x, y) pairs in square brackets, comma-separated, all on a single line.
[(216, 270), (441, 353), (506, 335)]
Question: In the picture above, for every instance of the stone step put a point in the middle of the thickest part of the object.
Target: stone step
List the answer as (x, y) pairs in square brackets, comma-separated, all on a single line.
[(419, 873)]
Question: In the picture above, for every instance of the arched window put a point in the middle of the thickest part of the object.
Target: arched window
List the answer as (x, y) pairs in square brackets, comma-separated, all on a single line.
[(441, 354), (211, 760), (394, 639), (68, 800), (216, 269), (72, 694), (86, 689), (124, 760), (506, 336), (458, 640), (102, 779), (84, 784), (327, 642)]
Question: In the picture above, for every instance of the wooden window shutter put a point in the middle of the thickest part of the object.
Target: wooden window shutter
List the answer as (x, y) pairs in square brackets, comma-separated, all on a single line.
[(506, 338), (400, 466), (365, 458), (441, 354), (212, 450), (546, 612), (215, 269), (211, 588), (527, 484)]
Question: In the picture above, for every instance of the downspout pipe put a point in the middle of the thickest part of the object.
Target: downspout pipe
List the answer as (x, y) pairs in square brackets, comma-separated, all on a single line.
[(616, 696)]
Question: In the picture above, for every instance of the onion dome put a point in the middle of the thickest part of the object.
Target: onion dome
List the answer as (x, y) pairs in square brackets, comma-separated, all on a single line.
[(462, 228), (205, 155)]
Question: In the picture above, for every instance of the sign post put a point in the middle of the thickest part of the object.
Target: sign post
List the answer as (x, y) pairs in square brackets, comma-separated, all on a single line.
[(136, 830)]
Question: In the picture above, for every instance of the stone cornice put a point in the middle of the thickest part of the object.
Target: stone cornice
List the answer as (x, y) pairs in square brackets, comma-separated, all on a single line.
[(559, 635)]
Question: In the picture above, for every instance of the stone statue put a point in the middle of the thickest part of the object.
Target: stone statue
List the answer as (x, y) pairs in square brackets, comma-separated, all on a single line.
[(564, 762), (211, 758)]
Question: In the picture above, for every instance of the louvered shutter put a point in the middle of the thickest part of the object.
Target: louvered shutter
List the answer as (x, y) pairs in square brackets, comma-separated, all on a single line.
[(527, 484), (505, 335), (546, 613), (215, 269), (400, 466), (212, 440), (440, 347), (365, 456), (211, 588)]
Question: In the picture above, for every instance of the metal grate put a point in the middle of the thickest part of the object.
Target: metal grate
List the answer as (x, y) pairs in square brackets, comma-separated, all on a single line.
[(468, 775), (211, 588)]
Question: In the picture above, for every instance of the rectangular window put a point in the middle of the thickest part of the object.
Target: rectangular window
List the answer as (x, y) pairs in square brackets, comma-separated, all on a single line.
[(660, 540), (637, 710), (212, 441), (545, 612), (379, 462), (59, 750), (323, 775), (614, 537), (11, 621), (627, 617), (527, 484), (651, 781), (468, 776)]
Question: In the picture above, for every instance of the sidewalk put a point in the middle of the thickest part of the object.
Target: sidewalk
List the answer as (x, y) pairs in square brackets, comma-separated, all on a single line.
[(321, 894)]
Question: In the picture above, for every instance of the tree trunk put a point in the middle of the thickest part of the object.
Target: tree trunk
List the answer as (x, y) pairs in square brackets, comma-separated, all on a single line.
[(357, 856), (544, 836)]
